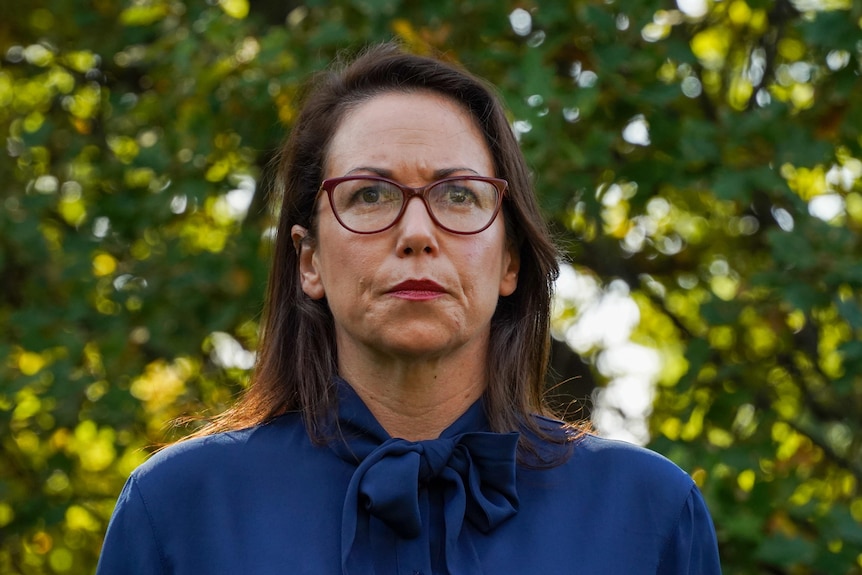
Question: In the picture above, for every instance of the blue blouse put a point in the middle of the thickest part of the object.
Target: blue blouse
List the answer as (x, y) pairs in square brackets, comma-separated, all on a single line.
[(266, 500)]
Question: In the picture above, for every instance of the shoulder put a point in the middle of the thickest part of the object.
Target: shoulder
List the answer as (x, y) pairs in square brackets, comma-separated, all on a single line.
[(633, 484), (584, 452), (623, 492), (602, 453), (229, 454), (592, 466), (193, 452), (617, 482), (628, 466)]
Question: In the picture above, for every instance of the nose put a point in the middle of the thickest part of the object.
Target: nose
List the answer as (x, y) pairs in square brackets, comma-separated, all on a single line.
[(417, 232)]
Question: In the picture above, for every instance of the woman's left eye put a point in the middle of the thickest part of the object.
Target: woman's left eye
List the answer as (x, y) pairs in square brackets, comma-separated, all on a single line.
[(459, 195)]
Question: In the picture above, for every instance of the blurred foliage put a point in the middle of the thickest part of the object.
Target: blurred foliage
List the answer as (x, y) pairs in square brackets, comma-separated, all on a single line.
[(708, 155)]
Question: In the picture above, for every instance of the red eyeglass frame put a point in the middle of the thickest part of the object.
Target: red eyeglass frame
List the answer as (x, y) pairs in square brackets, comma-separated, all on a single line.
[(328, 185)]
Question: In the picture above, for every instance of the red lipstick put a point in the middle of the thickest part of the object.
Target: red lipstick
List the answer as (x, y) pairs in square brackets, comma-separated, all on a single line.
[(417, 290)]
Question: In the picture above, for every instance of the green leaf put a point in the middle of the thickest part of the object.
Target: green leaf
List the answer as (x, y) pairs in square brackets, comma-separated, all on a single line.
[(785, 551)]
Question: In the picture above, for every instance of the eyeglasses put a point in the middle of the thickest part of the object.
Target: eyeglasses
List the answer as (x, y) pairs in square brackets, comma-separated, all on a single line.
[(370, 204)]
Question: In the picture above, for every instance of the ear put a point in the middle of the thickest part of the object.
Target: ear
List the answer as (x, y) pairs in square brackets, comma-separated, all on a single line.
[(309, 273), (511, 267)]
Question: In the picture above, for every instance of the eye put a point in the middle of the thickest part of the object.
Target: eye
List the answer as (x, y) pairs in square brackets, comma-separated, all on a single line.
[(458, 194), (463, 194), (364, 193), (368, 195)]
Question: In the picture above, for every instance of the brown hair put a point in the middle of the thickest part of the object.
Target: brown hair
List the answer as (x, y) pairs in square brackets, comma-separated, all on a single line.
[(297, 359)]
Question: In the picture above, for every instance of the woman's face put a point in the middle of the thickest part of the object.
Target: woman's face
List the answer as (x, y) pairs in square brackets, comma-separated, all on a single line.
[(412, 291)]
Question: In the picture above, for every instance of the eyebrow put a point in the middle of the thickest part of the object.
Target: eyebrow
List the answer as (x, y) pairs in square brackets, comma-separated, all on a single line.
[(384, 173)]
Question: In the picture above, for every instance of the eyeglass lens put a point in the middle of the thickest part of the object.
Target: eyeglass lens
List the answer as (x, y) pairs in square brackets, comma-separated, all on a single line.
[(372, 205)]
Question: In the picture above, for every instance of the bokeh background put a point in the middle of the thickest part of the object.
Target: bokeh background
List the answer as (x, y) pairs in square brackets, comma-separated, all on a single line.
[(699, 161)]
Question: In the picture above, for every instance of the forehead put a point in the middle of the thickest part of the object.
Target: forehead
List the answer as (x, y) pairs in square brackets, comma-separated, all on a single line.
[(394, 130)]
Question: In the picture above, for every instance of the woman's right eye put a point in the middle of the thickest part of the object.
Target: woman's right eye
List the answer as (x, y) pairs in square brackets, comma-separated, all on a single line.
[(368, 195), (375, 194), (365, 195)]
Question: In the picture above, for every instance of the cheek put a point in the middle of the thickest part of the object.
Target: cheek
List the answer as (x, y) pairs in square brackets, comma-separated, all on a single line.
[(347, 272), (481, 265)]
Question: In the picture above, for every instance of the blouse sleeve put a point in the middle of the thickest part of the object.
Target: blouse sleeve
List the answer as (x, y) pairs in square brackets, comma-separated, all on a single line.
[(692, 549), (130, 546)]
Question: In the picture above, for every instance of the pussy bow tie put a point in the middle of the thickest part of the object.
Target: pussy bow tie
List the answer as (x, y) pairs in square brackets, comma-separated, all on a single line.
[(475, 470)]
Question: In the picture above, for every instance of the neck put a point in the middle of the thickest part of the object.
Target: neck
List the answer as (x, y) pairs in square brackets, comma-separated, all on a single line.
[(415, 399)]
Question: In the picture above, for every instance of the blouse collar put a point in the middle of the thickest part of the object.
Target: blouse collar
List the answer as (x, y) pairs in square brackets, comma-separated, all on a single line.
[(476, 468)]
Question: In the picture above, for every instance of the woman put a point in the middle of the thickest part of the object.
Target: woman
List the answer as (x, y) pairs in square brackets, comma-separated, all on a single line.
[(395, 422)]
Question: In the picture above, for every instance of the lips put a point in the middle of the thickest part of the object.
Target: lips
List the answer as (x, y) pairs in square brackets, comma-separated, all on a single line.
[(417, 290)]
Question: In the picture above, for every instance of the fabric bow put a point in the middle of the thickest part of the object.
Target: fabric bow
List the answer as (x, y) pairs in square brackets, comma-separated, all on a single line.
[(475, 470)]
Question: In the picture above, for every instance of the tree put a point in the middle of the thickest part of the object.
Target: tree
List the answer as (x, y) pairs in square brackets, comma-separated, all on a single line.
[(707, 156)]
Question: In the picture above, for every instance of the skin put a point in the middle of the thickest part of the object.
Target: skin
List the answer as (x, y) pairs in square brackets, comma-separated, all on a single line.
[(417, 360)]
